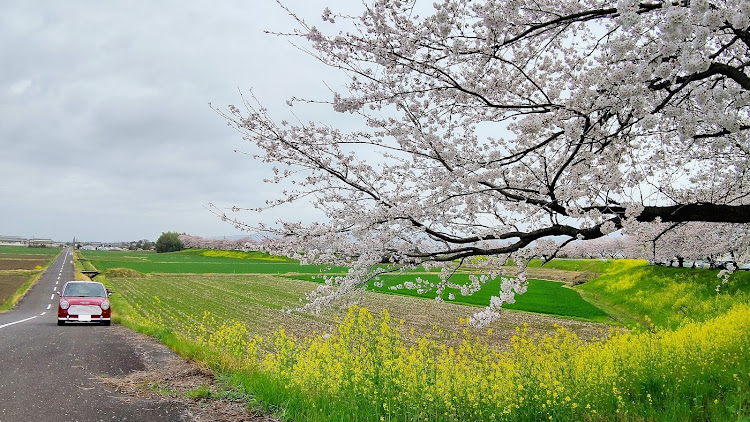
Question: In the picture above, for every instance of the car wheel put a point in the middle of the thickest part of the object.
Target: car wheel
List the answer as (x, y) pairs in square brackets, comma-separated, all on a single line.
[(107, 322), (60, 322)]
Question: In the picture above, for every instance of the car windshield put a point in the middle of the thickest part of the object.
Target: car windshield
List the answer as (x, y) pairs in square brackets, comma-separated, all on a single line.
[(84, 290)]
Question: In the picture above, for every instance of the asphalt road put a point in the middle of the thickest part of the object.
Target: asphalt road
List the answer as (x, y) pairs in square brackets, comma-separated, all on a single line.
[(52, 373)]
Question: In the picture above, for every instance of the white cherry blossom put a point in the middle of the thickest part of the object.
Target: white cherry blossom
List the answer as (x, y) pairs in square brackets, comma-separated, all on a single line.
[(487, 126)]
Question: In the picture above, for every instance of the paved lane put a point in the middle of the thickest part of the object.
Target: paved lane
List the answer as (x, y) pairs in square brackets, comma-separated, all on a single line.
[(52, 373), (38, 302)]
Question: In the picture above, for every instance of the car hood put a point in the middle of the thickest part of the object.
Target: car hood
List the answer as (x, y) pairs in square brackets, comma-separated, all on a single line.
[(84, 300)]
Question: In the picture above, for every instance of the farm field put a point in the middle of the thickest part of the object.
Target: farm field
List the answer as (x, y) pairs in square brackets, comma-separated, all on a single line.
[(18, 266), (201, 262), (414, 362), (548, 297), (25, 250), (22, 262), (185, 302), (10, 283), (543, 296)]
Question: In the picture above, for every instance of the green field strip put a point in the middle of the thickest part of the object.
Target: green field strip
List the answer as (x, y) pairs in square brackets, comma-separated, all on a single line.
[(25, 250), (542, 296)]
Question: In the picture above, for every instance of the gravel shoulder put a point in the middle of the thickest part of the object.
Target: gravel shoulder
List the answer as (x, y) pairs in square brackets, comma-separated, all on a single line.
[(168, 377)]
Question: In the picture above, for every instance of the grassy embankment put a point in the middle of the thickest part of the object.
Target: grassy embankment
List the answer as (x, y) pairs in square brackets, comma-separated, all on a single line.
[(20, 268), (665, 297), (367, 368)]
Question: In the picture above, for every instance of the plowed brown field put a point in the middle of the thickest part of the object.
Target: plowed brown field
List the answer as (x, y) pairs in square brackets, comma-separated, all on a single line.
[(22, 262), (15, 269), (9, 283)]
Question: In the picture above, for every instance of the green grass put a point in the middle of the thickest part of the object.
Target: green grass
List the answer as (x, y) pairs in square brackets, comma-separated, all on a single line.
[(179, 301), (200, 261), (25, 250), (628, 290), (666, 297), (545, 297), (542, 296), (599, 266)]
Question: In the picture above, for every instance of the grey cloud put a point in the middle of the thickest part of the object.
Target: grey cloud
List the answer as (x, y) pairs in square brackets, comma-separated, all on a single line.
[(106, 131)]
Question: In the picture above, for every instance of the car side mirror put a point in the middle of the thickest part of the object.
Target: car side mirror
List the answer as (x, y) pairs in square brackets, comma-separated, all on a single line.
[(109, 293)]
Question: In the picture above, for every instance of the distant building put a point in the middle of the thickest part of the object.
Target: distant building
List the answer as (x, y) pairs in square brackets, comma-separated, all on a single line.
[(13, 240), (40, 243), (110, 248)]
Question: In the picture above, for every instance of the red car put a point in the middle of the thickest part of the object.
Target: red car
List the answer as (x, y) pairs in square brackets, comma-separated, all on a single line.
[(84, 301)]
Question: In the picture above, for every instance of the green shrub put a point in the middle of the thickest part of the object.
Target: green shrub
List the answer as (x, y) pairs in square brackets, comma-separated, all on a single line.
[(169, 242)]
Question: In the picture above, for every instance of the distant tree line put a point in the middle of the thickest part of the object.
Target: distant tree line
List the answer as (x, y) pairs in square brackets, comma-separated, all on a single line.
[(245, 243), (143, 244), (711, 245)]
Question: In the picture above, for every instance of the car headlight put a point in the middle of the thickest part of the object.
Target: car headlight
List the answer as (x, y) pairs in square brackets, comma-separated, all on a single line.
[(64, 304), (104, 305)]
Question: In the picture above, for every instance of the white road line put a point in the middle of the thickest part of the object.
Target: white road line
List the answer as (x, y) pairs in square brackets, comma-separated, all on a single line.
[(51, 297), (17, 322), (49, 306), (42, 314)]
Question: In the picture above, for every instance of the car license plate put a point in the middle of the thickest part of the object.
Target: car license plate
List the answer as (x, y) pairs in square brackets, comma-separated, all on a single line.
[(85, 318)]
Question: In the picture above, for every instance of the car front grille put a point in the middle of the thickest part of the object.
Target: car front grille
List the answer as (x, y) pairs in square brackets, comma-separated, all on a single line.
[(84, 310)]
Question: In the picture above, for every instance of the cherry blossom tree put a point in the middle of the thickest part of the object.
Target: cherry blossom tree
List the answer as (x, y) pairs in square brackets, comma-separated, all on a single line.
[(673, 244), (610, 247), (490, 126), (245, 243)]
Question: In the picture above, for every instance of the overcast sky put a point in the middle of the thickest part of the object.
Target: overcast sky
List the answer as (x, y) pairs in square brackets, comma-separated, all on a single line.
[(104, 120)]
